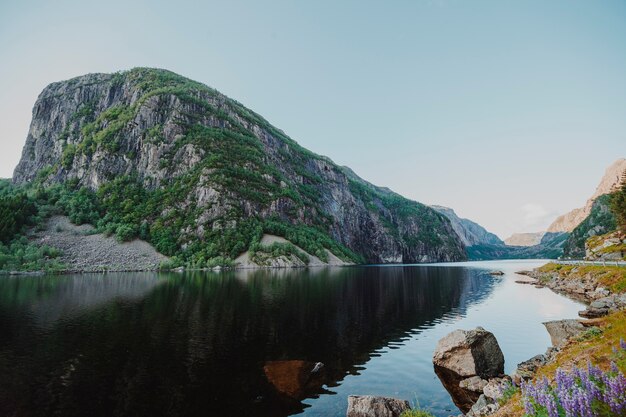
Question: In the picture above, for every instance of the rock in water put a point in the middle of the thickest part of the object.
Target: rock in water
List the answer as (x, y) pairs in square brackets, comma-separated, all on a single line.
[(371, 406), (469, 353), (561, 330), (294, 378)]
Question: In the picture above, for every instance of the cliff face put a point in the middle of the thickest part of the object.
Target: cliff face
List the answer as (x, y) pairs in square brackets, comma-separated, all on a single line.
[(599, 221), (471, 233), (209, 167), (609, 183)]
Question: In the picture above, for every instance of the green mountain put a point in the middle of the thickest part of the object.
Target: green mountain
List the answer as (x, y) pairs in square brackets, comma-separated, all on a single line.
[(148, 153)]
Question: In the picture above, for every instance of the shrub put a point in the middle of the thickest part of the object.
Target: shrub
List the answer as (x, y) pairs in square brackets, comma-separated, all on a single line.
[(124, 233)]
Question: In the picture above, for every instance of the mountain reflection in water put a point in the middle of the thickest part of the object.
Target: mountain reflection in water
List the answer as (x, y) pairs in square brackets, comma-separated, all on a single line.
[(171, 344)]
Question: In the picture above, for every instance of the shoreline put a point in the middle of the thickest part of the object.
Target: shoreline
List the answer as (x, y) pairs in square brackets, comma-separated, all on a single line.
[(583, 344)]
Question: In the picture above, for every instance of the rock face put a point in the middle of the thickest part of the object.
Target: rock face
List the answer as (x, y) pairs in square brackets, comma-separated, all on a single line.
[(599, 221), (469, 353), (216, 166), (471, 233), (524, 239), (561, 330), (370, 406), (609, 183)]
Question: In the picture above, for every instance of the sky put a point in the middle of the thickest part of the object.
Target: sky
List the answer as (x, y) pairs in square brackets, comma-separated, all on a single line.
[(507, 111)]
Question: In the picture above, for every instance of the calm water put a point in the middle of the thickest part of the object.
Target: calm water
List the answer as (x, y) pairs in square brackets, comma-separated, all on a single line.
[(145, 344)]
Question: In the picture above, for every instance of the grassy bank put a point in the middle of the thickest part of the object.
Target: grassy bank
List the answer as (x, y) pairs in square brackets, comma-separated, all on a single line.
[(611, 277), (601, 346)]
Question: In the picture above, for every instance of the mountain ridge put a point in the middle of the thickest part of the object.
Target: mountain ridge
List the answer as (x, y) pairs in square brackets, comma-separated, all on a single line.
[(202, 177)]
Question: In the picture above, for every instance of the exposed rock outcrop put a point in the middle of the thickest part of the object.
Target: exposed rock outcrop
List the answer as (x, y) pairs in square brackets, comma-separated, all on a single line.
[(371, 406), (215, 167), (471, 233), (562, 330), (609, 183), (469, 353), (599, 222)]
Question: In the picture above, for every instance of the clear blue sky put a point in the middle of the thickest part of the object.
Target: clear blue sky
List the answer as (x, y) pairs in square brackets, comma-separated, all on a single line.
[(506, 111)]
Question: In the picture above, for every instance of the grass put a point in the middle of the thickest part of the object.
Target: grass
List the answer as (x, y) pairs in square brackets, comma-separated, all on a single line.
[(596, 347), (416, 413)]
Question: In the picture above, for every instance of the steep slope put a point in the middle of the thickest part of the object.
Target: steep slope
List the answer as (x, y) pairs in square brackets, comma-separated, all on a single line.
[(471, 233), (524, 239), (150, 153), (609, 183), (600, 221)]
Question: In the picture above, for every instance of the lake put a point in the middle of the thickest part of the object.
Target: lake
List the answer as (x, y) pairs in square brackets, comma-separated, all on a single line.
[(232, 343)]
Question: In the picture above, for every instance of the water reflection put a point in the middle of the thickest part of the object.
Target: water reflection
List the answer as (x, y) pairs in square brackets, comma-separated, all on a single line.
[(197, 343)]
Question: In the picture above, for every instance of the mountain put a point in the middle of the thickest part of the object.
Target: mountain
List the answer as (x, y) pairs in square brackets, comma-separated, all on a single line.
[(549, 247), (609, 183), (150, 153), (524, 239), (471, 233), (483, 245), (599, 221)]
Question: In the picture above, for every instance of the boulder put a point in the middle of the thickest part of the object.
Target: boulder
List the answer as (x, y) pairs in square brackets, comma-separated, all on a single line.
[(469, 353), (294, 378), (561, 330), (371, 406), (496, 273)]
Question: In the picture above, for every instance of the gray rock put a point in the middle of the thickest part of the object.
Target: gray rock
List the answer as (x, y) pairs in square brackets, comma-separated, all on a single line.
[(495, 388), (483, 407), (526, 370), (561, 330), (371, 406), (469, 353), (474, 383)]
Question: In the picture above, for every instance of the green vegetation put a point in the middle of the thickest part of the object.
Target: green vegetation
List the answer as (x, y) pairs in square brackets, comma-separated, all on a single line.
[(618, 205), (262, 254), (509, 392), (416, 412), (384, 203), (19, 210)]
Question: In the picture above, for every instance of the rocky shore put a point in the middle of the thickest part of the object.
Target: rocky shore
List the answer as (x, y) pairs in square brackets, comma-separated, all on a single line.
[(597, 286), (470, 364)]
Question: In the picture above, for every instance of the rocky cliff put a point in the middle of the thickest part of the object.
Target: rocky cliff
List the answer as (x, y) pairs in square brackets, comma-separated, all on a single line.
[(609, 183), (471, 233), (200, 176), (599, 221)]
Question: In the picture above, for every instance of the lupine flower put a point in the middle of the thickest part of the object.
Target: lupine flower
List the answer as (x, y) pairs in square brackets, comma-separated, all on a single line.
[(577, 393)]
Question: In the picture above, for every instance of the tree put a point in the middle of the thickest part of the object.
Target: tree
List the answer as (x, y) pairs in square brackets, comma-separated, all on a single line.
[(618, 205)]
